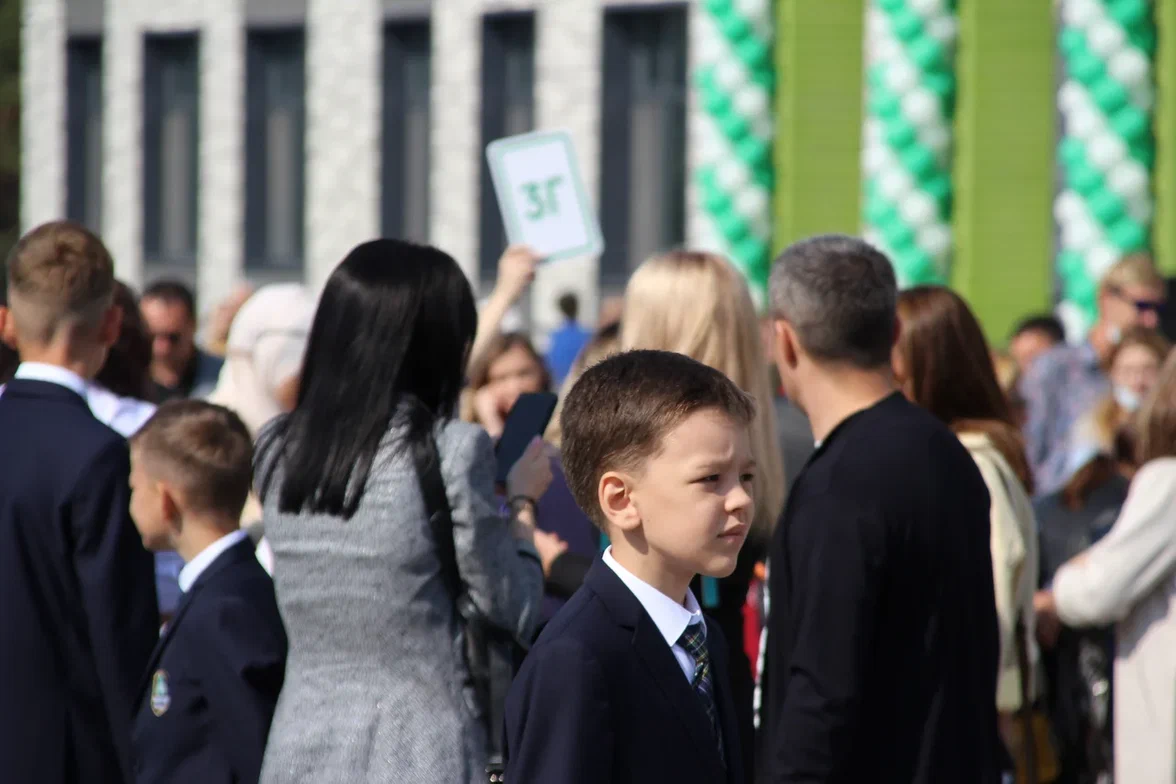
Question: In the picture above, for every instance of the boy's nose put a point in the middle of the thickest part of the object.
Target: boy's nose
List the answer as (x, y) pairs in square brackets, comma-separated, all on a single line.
[(739, 500)]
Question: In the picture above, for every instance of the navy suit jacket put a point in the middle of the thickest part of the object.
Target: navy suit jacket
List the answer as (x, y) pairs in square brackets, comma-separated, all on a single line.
[(221, 660), (78, 615), (600, 697)]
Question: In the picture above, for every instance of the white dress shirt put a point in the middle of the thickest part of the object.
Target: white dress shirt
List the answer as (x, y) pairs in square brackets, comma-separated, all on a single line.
[(194, 568), (670, 617), (124, 415)]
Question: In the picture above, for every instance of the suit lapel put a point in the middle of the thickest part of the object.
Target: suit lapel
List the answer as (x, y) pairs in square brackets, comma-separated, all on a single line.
[(659, 662), (732, 744)]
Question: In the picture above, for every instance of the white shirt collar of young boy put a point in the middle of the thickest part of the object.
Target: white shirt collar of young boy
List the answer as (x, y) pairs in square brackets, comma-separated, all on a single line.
[(194, 568), (39, 371), (670, 617)]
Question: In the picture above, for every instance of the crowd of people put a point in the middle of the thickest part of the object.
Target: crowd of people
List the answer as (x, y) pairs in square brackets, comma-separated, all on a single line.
[(845, 539)]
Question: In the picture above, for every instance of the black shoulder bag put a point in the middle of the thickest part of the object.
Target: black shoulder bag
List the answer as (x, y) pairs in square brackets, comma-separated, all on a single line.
[(491, 653)]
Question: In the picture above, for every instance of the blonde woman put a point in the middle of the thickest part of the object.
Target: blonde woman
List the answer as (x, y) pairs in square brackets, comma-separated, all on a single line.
[(698, 304)]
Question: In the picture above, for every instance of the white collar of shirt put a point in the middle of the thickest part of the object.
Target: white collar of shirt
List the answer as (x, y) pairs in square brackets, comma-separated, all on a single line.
[(194, 568), (670, 617), (39, 371)]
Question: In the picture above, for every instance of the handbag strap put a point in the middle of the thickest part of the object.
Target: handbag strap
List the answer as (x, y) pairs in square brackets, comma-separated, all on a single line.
[(1028, 742), (500, 661)]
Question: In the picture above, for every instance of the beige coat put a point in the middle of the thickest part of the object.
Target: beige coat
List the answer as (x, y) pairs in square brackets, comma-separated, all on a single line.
[(1015, 566), (1129, 578)]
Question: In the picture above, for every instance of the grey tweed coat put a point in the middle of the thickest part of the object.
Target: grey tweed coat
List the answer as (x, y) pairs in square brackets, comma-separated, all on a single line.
[(373, 689)]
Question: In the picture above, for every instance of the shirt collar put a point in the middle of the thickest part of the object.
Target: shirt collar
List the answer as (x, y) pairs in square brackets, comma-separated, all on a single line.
[(194, 568), (39, 371), (670, 617)]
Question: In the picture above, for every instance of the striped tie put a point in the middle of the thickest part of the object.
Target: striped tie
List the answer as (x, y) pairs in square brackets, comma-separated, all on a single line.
[(693, 641)]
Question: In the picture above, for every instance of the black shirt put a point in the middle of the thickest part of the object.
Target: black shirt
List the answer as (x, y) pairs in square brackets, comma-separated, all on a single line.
[(882, 636)]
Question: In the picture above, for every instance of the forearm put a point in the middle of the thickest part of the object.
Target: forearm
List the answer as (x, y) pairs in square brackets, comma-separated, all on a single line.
[(489, 322)]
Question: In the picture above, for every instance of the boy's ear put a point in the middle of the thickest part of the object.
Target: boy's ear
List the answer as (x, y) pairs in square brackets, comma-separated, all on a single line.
[(7, 327), (616, 501), (111, 326), (169, 508)]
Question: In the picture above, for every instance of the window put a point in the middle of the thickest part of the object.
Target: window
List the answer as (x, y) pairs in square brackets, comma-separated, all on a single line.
[(84, 132), (405, 209), (171, 144), (643, 138), (508, 108), (275, 118)]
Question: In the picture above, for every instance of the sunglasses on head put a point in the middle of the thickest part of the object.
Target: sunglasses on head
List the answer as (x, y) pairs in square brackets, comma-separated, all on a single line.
[(1141, 305)]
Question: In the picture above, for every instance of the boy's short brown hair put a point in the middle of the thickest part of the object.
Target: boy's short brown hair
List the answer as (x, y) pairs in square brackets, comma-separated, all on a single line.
[(617, 414), (203, 449), (59, 275)]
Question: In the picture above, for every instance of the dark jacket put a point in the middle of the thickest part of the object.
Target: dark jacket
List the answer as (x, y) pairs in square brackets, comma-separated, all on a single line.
[(78, 615), (207, 699), (882, 634), (601, 698)]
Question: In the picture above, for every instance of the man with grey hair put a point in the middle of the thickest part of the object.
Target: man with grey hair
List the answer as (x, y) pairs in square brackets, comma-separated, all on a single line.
[(882, 646)]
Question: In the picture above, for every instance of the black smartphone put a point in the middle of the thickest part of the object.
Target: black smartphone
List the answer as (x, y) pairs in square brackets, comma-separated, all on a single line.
[(527, 418)]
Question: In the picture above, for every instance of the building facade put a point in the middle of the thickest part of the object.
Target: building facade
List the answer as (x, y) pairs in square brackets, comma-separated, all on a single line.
[(220, 141)]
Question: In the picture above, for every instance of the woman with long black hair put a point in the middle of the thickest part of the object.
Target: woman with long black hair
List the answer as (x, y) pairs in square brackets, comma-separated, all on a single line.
[(376, 686)]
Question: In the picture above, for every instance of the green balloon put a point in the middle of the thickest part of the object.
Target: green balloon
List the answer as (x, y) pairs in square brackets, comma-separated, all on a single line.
[(1071, 42), (1106, 207), (718, 8), (926, 53), (919, 161), (891, 6), (1087, 69), (764, 177), (1130, 123), (753, 53), (732, 226), (900, 133), (1070, 263), (1144, 152), (1109, 96), (1079, 288), (907, 25), (734, 126), (735, 27), (716, 103), (1085, 179), (1127, 235), (879, 212), (876, 78), (918, 267), (754, 152), (899, 236), (752, 253), (1071, 152), (885, 105), (938, 187), (941, 84), (1128, 13)]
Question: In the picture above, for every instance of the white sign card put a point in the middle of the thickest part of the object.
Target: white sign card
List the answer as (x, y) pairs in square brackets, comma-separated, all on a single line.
[(542, 197)]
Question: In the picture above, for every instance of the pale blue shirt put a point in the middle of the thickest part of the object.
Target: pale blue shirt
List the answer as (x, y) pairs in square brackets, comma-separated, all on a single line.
[(670, 617), (194, 568)]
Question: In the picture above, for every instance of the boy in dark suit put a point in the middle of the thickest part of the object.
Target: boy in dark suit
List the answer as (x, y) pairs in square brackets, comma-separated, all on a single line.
[(77, 590), (626, 683), (206, 703)]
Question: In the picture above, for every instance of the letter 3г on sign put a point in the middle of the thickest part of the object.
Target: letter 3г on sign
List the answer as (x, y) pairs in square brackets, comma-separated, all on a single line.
[(541, 195)]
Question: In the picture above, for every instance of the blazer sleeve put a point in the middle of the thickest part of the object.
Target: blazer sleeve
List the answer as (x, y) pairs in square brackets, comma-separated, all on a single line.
[(557, 718), (240, 667), (1127, 564), (503, 576), (116, 579)]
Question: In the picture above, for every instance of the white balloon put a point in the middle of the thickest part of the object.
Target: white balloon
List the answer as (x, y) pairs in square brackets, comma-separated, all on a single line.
[(895, 184), (711, 49), (902, 77), (1129, 67), (1143, 96), (925, 8), (732, 176), (935, 239), (751, 101), (1105, 38), (755, 9), (712, 150), (728, 76), (936, 138), (1128, 179), (1100, 258), (1106, 150), (943, 29), (917, 209), (1068, 207), (1073, 319), (1071, 96), (1080, 234), (920, 107), (1140, 208), (1080, 13), (888, 50), (875, 159), (752, 202), (1084, 124)]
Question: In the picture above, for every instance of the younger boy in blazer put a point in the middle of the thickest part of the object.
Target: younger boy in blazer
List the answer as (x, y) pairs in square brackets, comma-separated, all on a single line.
[(626, 683), (208, 697)]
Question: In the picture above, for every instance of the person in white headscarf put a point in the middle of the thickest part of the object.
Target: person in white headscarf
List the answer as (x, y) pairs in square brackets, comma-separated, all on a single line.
[(263, 360)]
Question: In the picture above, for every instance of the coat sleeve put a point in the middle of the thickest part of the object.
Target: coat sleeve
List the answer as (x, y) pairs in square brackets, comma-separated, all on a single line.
[(240, 666), (503, 576), (558, 727), (116, 577), (1127, 564)]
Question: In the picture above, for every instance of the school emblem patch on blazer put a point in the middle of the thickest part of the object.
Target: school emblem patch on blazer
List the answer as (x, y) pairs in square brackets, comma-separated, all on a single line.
[(160, 696)]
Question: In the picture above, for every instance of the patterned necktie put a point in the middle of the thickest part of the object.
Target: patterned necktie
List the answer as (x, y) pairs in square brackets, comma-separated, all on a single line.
[(693, 641)]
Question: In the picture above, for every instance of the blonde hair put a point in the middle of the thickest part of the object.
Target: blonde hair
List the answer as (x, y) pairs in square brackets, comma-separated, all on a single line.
[(1156, 421), (697, 304), (1136, 269), (605, 343), (1108, 416)]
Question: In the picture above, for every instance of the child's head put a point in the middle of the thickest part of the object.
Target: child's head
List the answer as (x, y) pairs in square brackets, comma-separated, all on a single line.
[(191, 466), (61, 297), (657, 451)]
